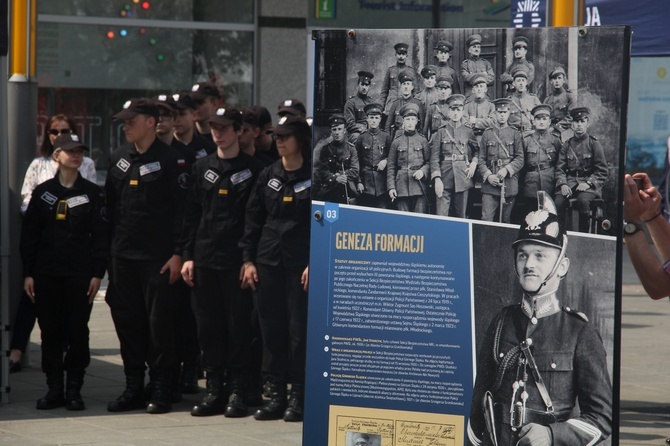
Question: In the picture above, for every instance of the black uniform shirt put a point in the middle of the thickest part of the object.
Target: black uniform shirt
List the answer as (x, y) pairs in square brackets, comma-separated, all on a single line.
[(215, 209), (146, 202), (65, 231), (201, 146), (278, 217)]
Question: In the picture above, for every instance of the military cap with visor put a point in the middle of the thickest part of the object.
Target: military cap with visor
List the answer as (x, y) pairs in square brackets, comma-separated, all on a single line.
[(520, 41), (373, 109), (401, 48), (68, 143), (336, 119), (137, 106), (456, 100), (203, 90), (542, 225), (291, 107), (519, 72), (226, 116), (405, 76), (443, 45), (166, 101), (428, 71), (502, 104), (542, 109), (578, 113), (556, 71), (410, 109), (184, 101), (443, 82), (365, 77), (290, 124), (478, 79), (474, 39)]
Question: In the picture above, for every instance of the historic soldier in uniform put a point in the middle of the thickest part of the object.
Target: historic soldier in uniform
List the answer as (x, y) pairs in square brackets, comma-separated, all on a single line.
[(336, 170), (538, 359), (354, 115), (581, 169), (479, 111), (429, 93), (436, 113), (391, 84), (475, 65), (541, 149), (443, 50), (560, 99), (373, 148), (520, 47), (408, 165), (522, 103), (394, 122), (453, 161), (500, 160)]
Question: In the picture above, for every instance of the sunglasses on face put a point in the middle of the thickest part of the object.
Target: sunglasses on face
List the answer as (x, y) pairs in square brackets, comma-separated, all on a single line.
[(56, 132), (277, 137)]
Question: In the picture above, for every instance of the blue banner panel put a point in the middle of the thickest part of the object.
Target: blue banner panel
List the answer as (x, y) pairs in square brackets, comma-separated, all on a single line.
[(648, 18), (390, 332)]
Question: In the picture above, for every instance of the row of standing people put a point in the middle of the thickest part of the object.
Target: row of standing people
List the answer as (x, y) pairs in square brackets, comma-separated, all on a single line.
[(170, 211), (514, 150)]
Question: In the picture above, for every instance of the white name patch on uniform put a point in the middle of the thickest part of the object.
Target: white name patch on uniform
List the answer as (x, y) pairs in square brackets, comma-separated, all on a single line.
[(238, 177), (275, 184), (301, 186), (211, 176), (123, 164), (200, 154), (49, 198), (151, 167), (76, 201)]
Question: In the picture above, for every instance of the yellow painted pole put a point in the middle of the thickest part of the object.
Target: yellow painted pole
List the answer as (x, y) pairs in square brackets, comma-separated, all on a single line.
[(567, 12), (23, 24)]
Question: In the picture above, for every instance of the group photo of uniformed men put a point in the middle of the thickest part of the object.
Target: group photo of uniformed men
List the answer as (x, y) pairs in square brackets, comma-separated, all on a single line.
[(470, 124)]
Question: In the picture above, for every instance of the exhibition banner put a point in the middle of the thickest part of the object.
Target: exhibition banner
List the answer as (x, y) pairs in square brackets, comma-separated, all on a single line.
[(465, 245)]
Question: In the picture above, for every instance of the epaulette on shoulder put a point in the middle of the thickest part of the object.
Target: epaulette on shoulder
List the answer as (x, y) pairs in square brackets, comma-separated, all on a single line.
[(573, 312), (352, 96), (593, 137), (351, 144)]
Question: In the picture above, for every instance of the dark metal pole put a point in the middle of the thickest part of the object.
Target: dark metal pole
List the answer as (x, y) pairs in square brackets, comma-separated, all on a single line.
[(436, 14)]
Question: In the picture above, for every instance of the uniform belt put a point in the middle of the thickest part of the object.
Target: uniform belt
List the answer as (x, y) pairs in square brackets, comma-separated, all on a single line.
[(500, 163), (412, 167), (453, 157), (532, 416), (541, 166), (578, 173)]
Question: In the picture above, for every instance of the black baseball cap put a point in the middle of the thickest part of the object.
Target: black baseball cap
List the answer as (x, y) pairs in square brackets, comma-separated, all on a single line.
[(137, 106)]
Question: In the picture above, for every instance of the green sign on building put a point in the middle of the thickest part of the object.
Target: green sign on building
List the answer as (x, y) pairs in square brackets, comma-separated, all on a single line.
[(325, 9)]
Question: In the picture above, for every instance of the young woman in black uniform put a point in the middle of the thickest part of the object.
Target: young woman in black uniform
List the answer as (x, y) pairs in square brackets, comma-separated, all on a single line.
[(276, 254), (64, 247)]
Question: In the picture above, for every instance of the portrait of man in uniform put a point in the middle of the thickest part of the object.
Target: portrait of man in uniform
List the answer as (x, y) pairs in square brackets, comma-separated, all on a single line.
[(542, 369)]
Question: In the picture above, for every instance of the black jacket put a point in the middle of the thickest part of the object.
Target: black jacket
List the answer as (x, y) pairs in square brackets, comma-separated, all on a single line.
[(65, 231)]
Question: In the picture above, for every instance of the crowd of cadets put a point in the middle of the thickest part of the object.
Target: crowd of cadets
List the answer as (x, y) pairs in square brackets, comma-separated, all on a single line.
[(181, 253), (422, 148)]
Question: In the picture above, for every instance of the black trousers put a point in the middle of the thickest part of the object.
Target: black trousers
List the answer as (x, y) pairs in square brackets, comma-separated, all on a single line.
[(188, 349), (282, 311), (24, 321), (144, 309), (62, 302), (223, 314)]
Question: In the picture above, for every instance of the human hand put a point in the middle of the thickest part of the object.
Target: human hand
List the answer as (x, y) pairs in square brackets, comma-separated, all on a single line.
[(29, 288), (93, 288), (342, 179), (566, 191), (187, 272), (393, 194), (439, 187), (305, 279), (249, 276), (470, 171), (382, 165), (174, 266), (360, 188), (493, 180), (533, 434), (581, 187), (640, 204), (418, 175)]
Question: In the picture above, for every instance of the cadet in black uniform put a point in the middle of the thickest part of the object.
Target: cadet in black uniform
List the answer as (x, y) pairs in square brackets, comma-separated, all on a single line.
[(145, 201), (188, 349), (222, 183), (64, 247), (539, 360), (208, 99), (276, 255), (184, 127)]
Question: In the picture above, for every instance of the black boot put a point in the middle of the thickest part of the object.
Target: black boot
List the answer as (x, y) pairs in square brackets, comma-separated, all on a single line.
[(294, 411), (189, 379), (215, 401), (73, 383), (133, 397), (274, 410), (55, 397), (236, 406), (161, 395)]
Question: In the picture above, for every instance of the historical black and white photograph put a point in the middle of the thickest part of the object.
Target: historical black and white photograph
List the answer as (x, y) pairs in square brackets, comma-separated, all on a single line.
[(363, 439), (471, 123), (544, 312)]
